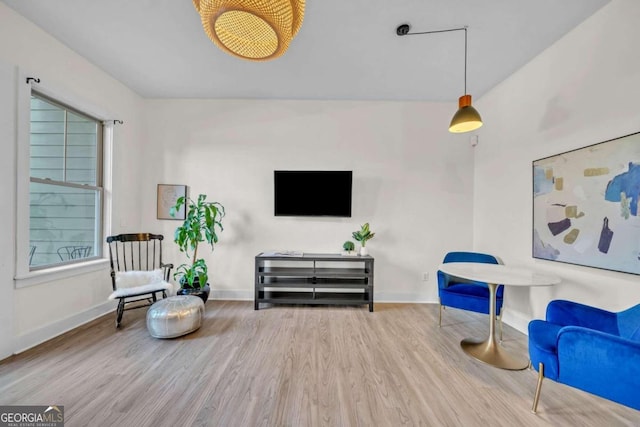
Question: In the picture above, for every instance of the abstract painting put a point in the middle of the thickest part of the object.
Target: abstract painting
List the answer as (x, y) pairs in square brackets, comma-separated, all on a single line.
[(585, 206)]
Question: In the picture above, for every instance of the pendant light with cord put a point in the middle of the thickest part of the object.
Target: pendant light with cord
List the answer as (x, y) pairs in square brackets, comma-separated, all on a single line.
[(467, 118)]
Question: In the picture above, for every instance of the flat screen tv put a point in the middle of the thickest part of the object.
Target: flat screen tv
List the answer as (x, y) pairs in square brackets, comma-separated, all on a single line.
[(312, 193)]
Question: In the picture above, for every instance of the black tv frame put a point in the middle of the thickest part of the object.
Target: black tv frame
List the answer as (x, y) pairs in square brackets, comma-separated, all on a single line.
[(317, 201)]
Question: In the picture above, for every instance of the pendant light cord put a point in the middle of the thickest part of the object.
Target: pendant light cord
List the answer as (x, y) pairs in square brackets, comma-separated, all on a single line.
[(403, 30), (465, 60), (466, 118)]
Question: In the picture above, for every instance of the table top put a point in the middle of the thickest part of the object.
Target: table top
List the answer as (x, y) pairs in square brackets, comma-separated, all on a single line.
[(498, 273)]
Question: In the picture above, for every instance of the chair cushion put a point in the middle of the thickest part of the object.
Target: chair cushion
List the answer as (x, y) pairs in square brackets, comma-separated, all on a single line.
[(543, 346), (135, 278), (140, 290)]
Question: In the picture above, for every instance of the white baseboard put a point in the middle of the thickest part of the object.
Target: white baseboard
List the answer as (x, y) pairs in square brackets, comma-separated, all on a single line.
[(396, 297), (233, 294), (45, 333)]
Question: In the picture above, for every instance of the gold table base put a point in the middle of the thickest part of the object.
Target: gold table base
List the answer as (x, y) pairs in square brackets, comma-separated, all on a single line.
[(490, 352)]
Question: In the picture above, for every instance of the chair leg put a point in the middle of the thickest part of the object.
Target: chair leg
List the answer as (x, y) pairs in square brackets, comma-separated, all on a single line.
[(538, 387), (440, 307), (119, 312)]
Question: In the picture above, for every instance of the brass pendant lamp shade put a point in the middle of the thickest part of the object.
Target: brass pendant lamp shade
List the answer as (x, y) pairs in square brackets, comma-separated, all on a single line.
[(256, 30), (466, 118)]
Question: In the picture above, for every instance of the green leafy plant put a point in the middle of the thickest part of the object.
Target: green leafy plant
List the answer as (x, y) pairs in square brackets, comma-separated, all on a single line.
[(348, 246), (363, 234), (203, 222)]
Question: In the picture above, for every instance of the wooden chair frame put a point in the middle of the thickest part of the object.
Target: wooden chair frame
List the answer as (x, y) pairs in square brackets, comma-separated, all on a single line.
[(131, 252)]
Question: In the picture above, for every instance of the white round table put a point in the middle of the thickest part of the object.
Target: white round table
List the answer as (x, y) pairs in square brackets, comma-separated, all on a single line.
[(489, 350)]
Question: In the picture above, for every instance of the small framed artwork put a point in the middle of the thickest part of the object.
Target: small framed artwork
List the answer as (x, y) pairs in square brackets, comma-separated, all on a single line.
[(585, 206), (168, 194)]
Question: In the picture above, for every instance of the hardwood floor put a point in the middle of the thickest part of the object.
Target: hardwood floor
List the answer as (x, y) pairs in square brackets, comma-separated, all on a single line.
[(293, 366)]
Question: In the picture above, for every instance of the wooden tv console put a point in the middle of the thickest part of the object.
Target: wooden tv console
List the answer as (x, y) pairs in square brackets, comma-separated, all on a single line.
[(319, 279)]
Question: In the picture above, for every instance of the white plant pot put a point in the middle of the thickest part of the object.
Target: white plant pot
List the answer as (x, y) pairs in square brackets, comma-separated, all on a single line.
[(364, 251)]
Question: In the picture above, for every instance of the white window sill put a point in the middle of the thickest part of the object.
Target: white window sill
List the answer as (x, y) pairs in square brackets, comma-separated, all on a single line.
[(57, 273)]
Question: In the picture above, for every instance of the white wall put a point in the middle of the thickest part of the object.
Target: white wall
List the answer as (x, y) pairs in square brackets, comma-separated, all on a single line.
[(580, 91), (412, 182), (45, 310)]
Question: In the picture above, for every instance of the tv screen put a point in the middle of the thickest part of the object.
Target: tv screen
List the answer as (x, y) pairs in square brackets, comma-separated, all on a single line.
[(312, 193)]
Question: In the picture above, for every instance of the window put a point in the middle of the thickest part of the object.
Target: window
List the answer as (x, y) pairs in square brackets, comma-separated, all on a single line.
[(65, 186)]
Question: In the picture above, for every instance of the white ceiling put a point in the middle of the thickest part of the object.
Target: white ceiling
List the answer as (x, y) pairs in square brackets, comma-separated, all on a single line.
[(346, 49)]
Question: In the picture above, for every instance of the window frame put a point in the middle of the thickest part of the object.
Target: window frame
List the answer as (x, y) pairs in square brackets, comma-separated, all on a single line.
[(24, 275), (98, 178)]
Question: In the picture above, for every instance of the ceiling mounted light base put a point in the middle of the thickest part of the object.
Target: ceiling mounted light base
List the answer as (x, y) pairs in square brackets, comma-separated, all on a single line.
[(256, 30), (403, 29), (466, 118)]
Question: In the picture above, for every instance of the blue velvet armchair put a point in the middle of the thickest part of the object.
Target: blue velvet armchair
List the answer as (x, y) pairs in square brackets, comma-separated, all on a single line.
[(588, 348), (465, 294)]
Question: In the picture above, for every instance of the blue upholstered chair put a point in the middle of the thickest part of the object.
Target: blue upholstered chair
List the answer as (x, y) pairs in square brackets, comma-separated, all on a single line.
[(590, 349), (465, 294)]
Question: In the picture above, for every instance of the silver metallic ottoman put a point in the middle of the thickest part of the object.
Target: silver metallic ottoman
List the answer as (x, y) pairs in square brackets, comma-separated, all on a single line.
[(175, 316)]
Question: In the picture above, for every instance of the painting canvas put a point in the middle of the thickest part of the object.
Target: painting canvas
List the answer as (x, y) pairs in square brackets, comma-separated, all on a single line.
[(167, 196), (585, 206)]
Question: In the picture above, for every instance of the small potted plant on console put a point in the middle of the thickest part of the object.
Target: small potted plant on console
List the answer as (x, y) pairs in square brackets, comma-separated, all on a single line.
[(203, 222), (349, 249), (362, 236)]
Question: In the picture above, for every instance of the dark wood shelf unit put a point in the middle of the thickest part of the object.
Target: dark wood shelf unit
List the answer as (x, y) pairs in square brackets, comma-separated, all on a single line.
[(314, 279)]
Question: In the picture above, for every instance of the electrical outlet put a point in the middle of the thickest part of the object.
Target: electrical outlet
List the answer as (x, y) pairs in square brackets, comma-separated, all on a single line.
[(425, 276)]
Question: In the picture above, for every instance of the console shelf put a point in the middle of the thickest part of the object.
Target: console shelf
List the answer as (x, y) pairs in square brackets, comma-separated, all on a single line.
[(316, 279)]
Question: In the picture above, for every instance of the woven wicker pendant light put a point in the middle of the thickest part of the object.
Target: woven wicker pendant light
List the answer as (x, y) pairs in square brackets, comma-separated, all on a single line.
[(257, 30)]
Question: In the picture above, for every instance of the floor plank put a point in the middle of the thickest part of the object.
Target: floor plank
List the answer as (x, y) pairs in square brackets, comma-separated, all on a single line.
[(293, 366)]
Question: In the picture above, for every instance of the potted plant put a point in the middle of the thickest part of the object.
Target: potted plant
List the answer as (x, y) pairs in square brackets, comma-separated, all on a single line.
[(348, 248), (203, 222), (362, 236)]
